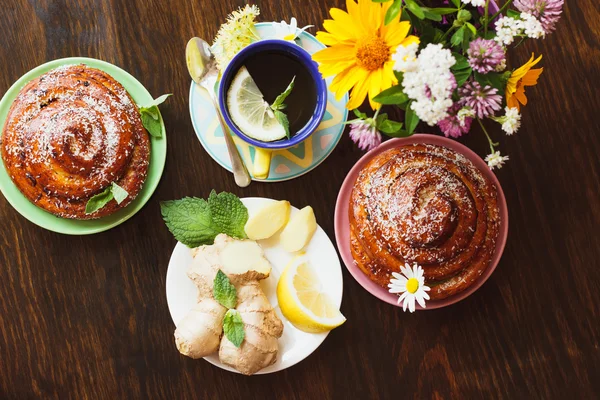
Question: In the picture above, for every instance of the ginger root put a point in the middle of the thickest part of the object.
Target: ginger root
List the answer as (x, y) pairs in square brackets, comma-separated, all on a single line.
[(200, 333)]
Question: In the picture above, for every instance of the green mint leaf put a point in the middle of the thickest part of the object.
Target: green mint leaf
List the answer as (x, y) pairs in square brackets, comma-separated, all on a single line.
[(119, 194), (159, 100), (195, 222), (415, 8), (393, 12), (411, 120), (278, 103), (464, 15), (99, 200), (233, 326), (392, 96), (152, 125), (189, 220), (153, 111), (283, 120), (229, 215), (223, 290)]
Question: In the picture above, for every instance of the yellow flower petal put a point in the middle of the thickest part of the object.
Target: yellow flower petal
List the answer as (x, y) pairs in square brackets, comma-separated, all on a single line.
[(359, 93), (394, 35), (334, 53), (531, 77), (374, 86)]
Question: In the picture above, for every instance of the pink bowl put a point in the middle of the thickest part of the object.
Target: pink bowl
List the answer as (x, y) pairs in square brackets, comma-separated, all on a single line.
[(342, 223)]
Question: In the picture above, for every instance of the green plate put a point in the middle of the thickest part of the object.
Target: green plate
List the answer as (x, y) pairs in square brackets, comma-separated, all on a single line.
[(158, 155)]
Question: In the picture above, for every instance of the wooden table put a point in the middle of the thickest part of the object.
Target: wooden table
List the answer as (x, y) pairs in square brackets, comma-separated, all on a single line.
[(86, 317)]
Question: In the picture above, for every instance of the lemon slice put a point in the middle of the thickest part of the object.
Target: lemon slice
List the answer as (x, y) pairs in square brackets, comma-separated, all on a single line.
[(249, 110), (303, 301)]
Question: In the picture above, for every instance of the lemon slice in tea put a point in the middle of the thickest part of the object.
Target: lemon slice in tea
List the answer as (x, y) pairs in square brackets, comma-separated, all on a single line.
[(249, 110)]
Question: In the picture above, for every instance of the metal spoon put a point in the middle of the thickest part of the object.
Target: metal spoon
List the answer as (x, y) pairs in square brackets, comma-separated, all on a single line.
[(203, 70)]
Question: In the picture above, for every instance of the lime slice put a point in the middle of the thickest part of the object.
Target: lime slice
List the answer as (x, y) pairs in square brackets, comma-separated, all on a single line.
[(249, 110)]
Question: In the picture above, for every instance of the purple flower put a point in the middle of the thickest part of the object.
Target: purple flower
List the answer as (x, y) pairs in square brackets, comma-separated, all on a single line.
[(452, 126), (547, 11), (485, 55), (366, 136), (484, 101)]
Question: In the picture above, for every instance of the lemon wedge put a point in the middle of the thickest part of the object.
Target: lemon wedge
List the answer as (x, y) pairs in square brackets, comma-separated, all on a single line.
[(303, 301), (249, 110)]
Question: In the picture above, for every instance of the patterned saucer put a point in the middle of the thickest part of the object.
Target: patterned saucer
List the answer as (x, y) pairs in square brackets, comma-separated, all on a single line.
[(286, 164)]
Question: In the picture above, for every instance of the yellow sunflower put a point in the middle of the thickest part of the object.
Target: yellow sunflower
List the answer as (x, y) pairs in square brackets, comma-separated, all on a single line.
[(521, 77), (361, 48)]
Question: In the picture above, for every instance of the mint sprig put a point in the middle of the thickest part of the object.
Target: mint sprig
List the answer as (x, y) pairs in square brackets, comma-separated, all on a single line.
[(195, 222), (233, 327), (101, 199), (224, 291), (278, 105), (151, 118)]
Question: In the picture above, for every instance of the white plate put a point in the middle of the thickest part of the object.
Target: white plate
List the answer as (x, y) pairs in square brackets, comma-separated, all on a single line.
[(294, 345)]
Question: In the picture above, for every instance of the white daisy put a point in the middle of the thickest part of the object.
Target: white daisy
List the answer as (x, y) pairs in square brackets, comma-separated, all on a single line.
[(411, 283), (495, 160), (289, 32)]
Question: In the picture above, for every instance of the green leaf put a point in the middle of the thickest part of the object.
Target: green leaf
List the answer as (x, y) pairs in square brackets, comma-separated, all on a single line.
[(461, 62), (462, 76), (223, 290), (456, 3), (233, 327), (399, 133), (457, 38), (464, 15), (359, 114), (432, 16), (492, 79), (98, 201), (471, 28), (440, 11), (410, 120), (399, 76), (393, 12), (278, 103), (283, 120), (195, 222), (118, 192), (152, 110), (415, 8), (229, 214), (513, 14), (152, 125), (392, 96), (158, 101), (390, 127)]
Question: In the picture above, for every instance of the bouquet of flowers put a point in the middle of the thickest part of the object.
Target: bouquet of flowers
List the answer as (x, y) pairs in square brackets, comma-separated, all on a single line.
[(443, 62)]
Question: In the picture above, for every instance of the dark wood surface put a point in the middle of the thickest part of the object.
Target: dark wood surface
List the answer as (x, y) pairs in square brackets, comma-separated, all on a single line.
[(86, 317)]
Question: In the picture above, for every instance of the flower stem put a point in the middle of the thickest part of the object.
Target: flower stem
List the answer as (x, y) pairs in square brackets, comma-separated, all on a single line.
[(487, 20), (492, 144), (501, 10)]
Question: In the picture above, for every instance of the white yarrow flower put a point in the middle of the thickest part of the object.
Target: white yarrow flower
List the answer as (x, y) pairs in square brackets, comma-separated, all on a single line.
[(512, 120), (289, 32), (475, 3), (465, 112), (532, 27), (495, 160), (506, 30), (427, 80), (411, 283)]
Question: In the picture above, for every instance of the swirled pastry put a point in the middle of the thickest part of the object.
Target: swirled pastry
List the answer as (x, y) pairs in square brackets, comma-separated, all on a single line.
[(428, 205), (69, 135)]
